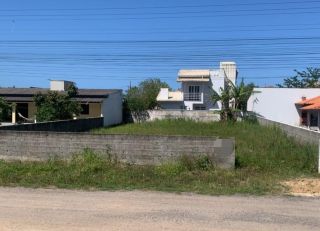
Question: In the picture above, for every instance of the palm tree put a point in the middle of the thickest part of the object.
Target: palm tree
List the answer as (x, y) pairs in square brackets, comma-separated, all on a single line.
[(234, 99)]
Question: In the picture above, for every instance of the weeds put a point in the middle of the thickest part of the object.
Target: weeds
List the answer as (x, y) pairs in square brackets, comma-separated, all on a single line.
[(265, 156)]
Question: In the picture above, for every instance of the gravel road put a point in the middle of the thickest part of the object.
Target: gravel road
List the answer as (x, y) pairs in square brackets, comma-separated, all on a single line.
[(51, 209)]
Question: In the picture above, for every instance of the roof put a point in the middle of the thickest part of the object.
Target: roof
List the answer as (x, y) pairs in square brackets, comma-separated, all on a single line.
[(173, 96), (315, 106), (309, 101), (194, 75), (26, 94), (310, 104)]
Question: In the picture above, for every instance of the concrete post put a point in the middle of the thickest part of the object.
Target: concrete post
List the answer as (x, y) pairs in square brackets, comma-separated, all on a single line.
[(13, 114)]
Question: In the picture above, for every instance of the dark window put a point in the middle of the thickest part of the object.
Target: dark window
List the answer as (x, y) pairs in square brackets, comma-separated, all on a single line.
[(313, 119), (85, 109), (194, 89), (22, 110), (199, 107), (304, 118)]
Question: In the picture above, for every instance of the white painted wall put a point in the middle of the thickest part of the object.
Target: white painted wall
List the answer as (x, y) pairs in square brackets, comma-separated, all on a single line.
[(59, 85), (218, 82), (112, 109), (278, 104)]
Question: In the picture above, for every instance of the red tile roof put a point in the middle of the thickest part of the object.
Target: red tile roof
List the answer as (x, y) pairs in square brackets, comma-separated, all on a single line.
[(310, 104), (309, 101)]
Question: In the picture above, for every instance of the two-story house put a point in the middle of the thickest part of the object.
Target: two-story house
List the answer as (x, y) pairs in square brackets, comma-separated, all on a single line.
[(197, 87)]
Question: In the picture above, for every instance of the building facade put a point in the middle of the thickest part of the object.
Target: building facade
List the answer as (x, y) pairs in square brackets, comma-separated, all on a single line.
[(197, 88), (105, 103), (284, 105)]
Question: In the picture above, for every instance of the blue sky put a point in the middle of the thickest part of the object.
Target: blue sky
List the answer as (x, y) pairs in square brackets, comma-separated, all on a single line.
[(108, 44)]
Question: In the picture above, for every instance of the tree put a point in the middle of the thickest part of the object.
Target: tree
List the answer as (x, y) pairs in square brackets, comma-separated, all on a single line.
[(144, 96), (5, 110), (303, 79), (234, 99), (57, 106)]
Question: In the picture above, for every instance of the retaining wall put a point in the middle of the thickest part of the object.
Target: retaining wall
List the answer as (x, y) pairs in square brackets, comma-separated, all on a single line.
[(77, 125), (201, 116), (135, 149), (300, 134)]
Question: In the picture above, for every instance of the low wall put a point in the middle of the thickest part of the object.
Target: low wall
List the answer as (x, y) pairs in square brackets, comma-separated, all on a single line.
[(202, 116), (77, 125), (135, 149), (300, 134)]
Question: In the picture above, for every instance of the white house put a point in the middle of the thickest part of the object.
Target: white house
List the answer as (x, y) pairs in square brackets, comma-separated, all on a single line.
[(94, 102), (285, 105), (197, 88)]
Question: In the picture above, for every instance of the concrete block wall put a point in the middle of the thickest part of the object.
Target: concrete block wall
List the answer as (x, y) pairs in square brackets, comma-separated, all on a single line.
[(77, 125), (137, 149), (201, 116), (300, 134)]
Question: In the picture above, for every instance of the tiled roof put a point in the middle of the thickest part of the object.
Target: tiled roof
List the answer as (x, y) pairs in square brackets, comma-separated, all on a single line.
[(309, 101), (314, 106)]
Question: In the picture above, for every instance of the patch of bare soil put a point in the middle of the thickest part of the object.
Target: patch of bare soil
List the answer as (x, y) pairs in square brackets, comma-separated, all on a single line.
[(304, 187)]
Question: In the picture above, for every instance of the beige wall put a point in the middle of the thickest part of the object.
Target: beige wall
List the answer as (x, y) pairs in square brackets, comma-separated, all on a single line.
[(32, 110), (94, 110)]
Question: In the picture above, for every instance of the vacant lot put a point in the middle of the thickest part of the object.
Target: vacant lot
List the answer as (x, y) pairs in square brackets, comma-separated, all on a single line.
[(265, 158)]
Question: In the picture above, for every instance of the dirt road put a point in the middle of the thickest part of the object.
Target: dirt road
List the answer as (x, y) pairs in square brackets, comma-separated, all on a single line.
[(41, 209)]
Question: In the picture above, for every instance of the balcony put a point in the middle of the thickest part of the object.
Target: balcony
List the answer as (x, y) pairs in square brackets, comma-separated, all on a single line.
[(197, 97)]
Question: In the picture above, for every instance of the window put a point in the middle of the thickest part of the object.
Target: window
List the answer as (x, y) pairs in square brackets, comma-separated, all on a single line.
[(23, 112), (199, 107), (193, 94), (194, 89), (85, 109)]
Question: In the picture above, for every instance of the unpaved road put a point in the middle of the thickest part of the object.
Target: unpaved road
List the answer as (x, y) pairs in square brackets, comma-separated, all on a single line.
[(42, 209)]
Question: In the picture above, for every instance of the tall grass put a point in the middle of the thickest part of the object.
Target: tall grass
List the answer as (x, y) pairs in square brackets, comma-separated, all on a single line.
[(258, 147)]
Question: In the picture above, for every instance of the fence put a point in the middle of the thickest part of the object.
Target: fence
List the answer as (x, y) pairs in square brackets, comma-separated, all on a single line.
[(137, 149), (300, 134), (77, 125)]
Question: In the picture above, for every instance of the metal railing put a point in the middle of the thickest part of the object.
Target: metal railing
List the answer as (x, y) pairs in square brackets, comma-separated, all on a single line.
[(192, 97)]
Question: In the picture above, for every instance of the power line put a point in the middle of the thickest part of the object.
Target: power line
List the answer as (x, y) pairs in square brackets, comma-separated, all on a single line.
[(164, 7)]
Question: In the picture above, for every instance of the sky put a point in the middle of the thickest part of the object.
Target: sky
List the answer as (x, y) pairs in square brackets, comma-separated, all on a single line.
[(112, 44)]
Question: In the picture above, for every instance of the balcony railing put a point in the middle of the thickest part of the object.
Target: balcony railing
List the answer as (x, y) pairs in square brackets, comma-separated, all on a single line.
[(192, 96)]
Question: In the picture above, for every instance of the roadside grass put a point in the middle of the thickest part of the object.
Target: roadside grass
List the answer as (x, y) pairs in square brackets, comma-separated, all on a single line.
[(265, 157)]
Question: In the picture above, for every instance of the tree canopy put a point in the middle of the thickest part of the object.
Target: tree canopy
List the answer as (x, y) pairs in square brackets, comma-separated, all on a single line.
[(310, 78), (144, 96), (57, 106)]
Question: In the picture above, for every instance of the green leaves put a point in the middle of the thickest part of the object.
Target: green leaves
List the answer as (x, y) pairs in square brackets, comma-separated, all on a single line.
[(144, 96), (310, 78), (234, 98), (57, 106), (5, 110)]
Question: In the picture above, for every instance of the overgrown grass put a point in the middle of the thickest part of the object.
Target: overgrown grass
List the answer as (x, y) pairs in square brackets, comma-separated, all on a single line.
[(265, 156), (259, 148)]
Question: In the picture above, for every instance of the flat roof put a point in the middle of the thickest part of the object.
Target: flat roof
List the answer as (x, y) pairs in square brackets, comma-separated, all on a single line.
[(27, 94)]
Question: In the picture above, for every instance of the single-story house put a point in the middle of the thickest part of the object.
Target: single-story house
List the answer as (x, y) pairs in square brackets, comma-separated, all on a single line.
[(309, 112), (106, 103), (285, 105), (197, 87)]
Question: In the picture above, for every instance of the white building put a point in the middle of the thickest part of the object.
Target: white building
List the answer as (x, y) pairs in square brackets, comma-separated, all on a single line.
[(282, 104), (197, 88)]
